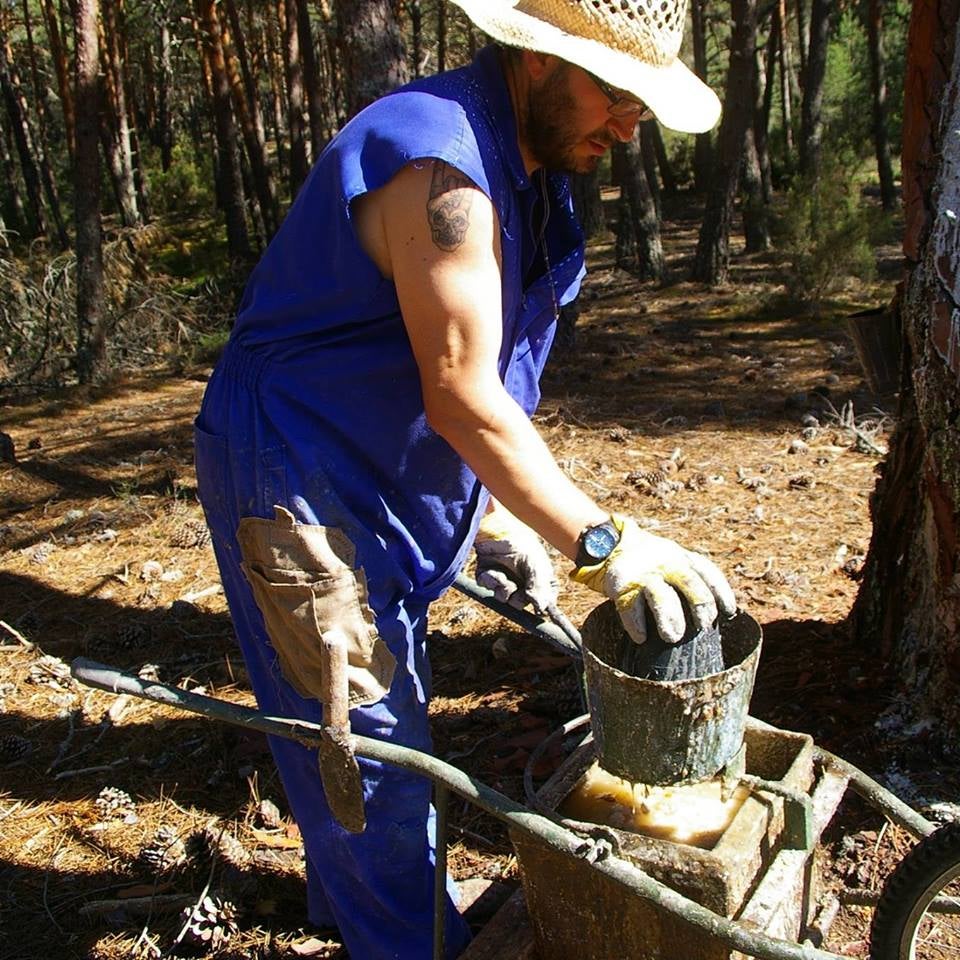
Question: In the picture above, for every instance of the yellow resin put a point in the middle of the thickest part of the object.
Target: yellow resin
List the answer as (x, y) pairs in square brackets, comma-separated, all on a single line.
[(694, 814)]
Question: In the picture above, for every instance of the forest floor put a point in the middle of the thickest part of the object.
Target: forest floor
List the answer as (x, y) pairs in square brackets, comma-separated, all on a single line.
[(715, 415)]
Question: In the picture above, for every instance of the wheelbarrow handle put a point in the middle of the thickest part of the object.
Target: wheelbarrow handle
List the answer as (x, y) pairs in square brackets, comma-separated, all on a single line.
[(558, 631)]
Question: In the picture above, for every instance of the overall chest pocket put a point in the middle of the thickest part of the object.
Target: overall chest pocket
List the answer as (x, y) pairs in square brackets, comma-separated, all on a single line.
[(305, 582)]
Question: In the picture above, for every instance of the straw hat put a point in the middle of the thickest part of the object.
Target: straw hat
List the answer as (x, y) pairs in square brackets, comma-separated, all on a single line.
[(632, 44)]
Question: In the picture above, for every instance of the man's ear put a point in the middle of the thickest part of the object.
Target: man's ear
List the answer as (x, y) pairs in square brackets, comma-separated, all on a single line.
[(538, 65)]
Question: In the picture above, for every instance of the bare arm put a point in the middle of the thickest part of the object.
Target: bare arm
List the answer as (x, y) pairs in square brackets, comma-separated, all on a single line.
[(437, 236)]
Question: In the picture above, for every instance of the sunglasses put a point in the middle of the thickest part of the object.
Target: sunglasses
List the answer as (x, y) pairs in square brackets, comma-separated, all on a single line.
[(622, 105)]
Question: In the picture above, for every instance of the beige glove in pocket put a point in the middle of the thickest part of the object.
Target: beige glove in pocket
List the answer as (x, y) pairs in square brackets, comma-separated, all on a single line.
[(305, 582)]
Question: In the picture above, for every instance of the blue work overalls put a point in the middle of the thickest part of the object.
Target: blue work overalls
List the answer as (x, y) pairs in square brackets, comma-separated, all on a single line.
[(312, 442)]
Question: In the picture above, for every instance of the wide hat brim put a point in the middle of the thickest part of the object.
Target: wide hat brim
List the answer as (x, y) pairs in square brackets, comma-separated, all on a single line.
[(678, 97)]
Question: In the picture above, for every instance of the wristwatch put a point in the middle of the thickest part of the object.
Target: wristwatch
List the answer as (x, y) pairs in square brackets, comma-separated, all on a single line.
[(595, 544)]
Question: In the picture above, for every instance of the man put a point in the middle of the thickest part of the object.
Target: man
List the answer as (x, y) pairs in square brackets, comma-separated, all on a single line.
[(377, 390)]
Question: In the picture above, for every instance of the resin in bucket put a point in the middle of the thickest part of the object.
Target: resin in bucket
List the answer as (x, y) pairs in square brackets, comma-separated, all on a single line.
[(665, 732)]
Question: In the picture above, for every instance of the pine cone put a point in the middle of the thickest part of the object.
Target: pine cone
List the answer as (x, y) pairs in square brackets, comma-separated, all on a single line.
[(191, 534), (165, 852), (697, 482), (646, 479), (212, 839), (211, 923), (131, 634), (114, 804), (42, 552), (50, 671), (13, 747)]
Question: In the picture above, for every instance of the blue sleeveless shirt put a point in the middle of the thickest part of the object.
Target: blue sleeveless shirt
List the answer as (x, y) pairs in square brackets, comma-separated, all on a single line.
[(337, 385)]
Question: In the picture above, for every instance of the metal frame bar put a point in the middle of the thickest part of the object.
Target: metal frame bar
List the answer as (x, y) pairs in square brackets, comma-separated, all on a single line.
[(519, 817)]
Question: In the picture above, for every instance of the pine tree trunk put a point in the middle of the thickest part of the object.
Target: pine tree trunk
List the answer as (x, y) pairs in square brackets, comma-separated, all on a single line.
[(786, 78), (276, 72), (296, 105), (811, 120), (43, 135), (91, 339), (756, 229), (247, 107), (416, 37), (585, 188), (371, 49), (13, 101), (702, 149), (761, 120), (649, 156), (712, 261), (639, 215), (14, 213), (62, 71), (228, 148), (119, 119), (441, 35), (667, 176), (803, 34), (311, 80), (878, 89), (908, 607), (164, 84)]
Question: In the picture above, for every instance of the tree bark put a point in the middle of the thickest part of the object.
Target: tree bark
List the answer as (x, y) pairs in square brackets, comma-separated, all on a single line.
[(585, 188), (43, 134), (908, 607), (667, 176), (117, 116), (786, 78), (14, 213), (441, 35), (811, 121), (756, 229), (275, 71), (62, 71), (878, 89), (761, 119), (228, 149), (9, 84), (371, 50), (296, 105), (91, 339), (416, 37), (712, 261), (246, 104), (311, 80), (638, 217), (702, 149), (649, 156), (164, 84)]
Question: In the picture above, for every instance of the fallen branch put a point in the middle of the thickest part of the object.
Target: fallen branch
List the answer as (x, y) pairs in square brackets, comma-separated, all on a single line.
[(138, 906), (18, 636), (103, 768)]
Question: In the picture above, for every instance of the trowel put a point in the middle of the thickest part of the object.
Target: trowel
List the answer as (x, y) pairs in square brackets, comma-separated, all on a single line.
[(339, 769)]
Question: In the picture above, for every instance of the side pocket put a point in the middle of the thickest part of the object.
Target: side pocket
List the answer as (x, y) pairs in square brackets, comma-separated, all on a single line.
[(304, 581)]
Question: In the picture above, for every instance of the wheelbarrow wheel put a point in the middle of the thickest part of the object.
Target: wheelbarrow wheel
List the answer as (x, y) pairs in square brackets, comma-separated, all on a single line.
[(918, 914)]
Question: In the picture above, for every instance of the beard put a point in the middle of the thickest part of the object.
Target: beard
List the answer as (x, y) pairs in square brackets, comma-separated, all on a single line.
[(550, 133)]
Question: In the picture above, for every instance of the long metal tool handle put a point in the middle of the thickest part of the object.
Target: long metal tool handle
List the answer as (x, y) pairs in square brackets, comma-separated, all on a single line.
[(560, 634), (515, 814)]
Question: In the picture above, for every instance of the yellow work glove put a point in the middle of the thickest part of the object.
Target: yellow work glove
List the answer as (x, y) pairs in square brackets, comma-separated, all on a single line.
[(513, 562), (645, 570)]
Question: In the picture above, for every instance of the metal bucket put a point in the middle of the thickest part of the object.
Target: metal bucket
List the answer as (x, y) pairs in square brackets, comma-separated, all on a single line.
[(663, 732)]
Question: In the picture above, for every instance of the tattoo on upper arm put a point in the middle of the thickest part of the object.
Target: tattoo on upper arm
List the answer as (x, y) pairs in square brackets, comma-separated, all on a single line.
[(448, 207)]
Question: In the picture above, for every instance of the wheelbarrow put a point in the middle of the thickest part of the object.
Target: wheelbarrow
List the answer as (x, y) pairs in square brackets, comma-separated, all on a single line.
[(916, 906)]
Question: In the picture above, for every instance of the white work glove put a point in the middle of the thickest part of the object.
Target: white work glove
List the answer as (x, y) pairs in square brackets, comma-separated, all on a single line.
[(513, 562), (645, 570)]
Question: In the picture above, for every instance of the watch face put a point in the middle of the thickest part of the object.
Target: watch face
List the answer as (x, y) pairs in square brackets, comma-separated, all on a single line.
[(598, 542)]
